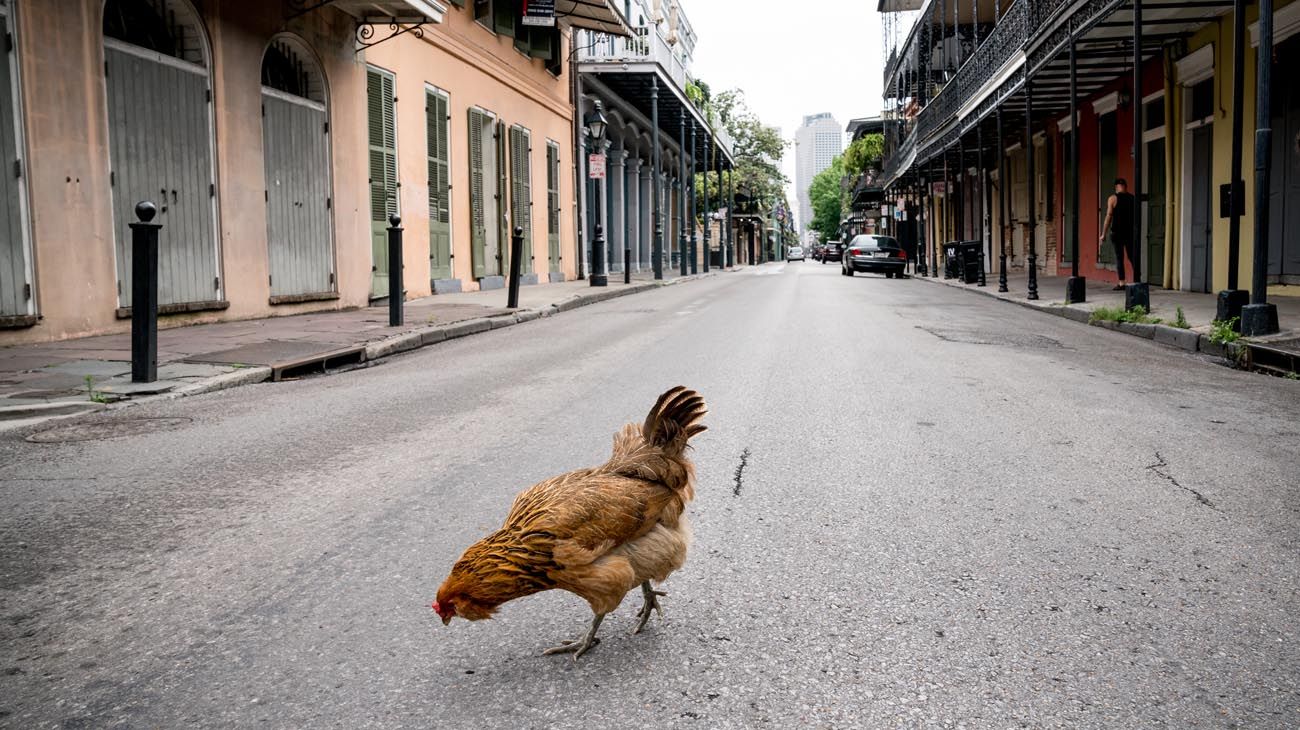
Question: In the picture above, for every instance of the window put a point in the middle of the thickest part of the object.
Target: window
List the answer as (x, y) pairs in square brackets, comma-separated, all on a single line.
[(1153, 114), (1202, 105)]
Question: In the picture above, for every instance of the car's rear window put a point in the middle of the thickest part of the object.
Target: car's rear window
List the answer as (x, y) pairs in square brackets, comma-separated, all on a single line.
[(877, 241)]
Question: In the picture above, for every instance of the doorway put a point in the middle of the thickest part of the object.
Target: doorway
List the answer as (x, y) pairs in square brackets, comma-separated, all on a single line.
[(1201, 208), (1284, 192)]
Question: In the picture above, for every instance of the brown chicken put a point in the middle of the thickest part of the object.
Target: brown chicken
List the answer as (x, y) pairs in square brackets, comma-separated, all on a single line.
[(597, 533)]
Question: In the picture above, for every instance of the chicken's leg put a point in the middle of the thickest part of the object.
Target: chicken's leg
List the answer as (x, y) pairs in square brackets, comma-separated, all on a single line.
[(651, 597), (579, 646)]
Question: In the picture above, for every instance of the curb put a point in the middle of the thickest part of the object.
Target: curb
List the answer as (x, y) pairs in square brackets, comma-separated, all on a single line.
[(405, 342)]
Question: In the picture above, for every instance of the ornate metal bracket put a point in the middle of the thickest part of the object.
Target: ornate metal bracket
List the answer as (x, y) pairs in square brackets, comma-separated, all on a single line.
[(366, 33)]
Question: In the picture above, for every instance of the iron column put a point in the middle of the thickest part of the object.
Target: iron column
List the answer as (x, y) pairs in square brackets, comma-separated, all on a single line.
[(705, 212), (1076, 286), (681, 198), (1029, 163), (695, 239), (657, 252), (1004, 217), (1259, 317), (1232, 299), (1138, 294)]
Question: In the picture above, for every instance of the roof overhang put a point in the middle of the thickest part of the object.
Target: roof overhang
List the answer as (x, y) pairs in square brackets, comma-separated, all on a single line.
[(898, 6), (393, 11), (597, 15), (631, 84)]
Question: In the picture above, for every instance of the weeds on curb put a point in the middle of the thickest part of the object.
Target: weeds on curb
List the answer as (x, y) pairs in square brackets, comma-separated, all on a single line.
[(95, 395), (1223, 332), (1136, 315), (1180, 321)]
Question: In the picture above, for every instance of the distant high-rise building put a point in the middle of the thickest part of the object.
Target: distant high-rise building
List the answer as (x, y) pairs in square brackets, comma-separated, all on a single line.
[(817, 141)]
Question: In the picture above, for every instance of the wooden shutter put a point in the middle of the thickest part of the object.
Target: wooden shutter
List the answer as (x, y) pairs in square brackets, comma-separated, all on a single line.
[(436, 129), (382, 138), (477, 191), (553, 205), (521, 214), (15, 283), (502, 196)]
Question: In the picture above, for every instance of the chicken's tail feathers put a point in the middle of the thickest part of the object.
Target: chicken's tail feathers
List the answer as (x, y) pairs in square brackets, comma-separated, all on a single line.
[(674, 419)]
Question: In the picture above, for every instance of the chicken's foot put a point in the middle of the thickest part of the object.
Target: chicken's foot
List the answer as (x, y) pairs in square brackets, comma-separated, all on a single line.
[(651, 597), (579, 646)]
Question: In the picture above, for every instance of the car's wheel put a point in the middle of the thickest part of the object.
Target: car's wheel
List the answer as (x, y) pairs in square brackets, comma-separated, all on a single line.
[(889, 274), (848, 271)]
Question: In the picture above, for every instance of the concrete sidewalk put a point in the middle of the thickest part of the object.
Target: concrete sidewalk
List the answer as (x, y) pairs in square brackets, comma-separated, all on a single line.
[(1198, 308), (80, 375)]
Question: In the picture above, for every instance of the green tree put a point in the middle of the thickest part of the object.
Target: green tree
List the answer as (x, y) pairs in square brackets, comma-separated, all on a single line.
[(864, 154), (757, 149), (826, 193)]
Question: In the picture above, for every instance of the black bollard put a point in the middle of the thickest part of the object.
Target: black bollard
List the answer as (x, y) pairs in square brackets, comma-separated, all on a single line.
[(516, 254), (144, 294), (394, 271), (627, 265)]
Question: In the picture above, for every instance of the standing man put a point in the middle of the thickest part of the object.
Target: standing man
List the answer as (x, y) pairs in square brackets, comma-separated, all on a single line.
[(1119, 211)]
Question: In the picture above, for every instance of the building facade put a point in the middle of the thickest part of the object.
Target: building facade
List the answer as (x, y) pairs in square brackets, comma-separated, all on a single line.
[(981, 139), (276, 141), (657, 140), (817, 142)]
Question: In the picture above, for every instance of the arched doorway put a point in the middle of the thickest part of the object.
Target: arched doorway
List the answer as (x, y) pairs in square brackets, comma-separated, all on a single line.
[(156, 64), (295, 148), (17, 300)]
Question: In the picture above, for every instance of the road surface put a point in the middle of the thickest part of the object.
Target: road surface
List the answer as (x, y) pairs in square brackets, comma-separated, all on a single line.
[(952, 512)]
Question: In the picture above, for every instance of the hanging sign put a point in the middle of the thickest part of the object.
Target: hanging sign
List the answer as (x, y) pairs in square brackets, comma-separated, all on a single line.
[(939, 187), (596, 166), (539, 12)]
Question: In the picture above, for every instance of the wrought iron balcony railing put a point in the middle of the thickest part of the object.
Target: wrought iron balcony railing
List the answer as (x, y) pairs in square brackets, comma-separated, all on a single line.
[(1025, 23)]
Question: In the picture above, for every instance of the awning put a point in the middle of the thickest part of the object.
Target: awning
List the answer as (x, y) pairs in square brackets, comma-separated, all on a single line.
[(399, 11), (598, 15), (895, 6)]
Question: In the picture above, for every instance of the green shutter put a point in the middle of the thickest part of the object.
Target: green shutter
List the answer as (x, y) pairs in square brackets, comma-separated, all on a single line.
[(521, 192), (505, 13), (553, 205), (477, 191), (503, 193), (436, 123), (382, 138)]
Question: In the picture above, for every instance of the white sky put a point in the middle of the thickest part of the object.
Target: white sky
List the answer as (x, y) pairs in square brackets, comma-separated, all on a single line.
[(792, 59)]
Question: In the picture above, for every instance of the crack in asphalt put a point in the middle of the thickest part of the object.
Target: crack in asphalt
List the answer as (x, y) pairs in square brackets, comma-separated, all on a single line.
[(1161, 464), (740, 472)]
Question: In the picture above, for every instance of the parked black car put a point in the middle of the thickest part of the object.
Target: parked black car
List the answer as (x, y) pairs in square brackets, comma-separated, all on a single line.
[(874, 253), (832, 251)]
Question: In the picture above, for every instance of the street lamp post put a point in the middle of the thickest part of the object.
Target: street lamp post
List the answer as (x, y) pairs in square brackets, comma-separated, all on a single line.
[(596, 125)]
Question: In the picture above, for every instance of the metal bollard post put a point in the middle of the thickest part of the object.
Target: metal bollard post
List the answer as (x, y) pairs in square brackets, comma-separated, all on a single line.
[(144, 294), (627, 265), (394, 271), (516, 254)]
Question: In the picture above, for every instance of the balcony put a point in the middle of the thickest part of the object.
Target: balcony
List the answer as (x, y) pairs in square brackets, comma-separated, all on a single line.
[(645, 51), (646, 46)]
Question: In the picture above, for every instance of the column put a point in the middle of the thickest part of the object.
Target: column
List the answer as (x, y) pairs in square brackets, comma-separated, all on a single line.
[(647, 215), (633, 192), (616, 232)]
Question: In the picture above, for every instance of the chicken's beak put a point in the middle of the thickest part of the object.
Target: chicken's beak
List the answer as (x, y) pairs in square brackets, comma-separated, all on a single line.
[(447, 619)]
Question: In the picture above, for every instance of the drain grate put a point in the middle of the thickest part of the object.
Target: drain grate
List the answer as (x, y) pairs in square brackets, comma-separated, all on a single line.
[(116, 428)]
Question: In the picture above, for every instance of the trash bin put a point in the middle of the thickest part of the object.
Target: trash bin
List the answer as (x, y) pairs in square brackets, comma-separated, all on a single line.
[(951, 268), (970, 260)]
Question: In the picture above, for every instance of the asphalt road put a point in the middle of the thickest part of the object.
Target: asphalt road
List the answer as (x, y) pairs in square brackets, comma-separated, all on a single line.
[(954, 512)]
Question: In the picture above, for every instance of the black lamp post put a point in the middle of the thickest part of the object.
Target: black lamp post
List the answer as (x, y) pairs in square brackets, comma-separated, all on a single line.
[(596, 125)]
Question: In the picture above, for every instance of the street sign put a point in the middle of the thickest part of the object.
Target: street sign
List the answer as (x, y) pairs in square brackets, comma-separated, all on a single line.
[(939, 187), (596, 166), (539, 13)]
